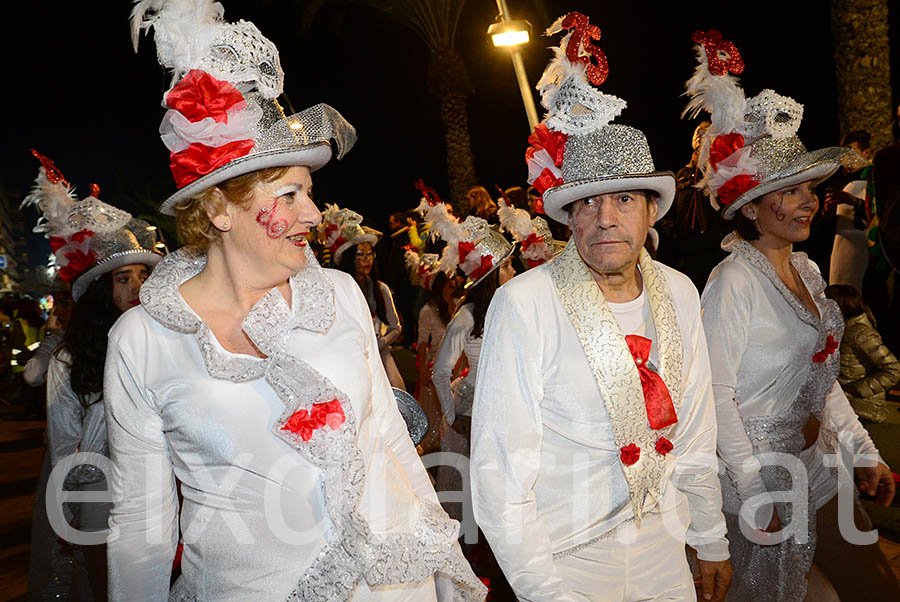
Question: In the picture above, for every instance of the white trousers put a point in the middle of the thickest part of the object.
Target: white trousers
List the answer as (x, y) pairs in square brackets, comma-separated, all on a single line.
[(632, 564)]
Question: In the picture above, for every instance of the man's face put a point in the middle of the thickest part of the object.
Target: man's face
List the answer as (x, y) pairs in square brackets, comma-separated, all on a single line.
[(864, 153), (610, 229)]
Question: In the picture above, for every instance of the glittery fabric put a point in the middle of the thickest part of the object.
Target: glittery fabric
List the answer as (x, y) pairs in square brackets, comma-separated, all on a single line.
[(612, 150), (352, 552), (613, 366), (413, 415), (779, 572), (770, 113)]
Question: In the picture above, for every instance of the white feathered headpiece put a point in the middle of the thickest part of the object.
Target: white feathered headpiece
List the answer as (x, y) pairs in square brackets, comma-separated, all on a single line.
[(536, 243), (736, 122), (191, 34)]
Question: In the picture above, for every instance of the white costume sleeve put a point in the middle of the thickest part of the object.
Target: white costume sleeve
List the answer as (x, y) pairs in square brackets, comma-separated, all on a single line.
[(726, 322), (841, 418), (391, 425), (696, 469), (394, 330), (429, 326), (144, 516), (506, 440), (64, 413), (452, 346), (35, 372)]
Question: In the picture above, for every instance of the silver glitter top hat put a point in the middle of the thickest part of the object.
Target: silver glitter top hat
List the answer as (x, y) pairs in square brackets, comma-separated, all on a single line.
[(341, 229), (473, 246), (223, 119), (536, 243), (751, 147), (88, 237), (576, 153)]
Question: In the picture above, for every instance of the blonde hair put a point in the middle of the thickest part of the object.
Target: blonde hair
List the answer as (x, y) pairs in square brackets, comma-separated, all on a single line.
[(192, 222), (481, 203)]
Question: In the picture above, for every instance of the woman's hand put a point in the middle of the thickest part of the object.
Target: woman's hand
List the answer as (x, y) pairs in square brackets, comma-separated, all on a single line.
[(877, 481)]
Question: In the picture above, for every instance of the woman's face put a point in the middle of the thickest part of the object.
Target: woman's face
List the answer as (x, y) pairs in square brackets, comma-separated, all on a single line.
[(270, 236), (507, 271), (362, 262), (449, 289), (126, 284), (786, 214)]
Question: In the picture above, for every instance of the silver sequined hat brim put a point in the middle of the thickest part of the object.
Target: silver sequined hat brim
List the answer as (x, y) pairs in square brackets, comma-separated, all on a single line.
[(313, 156), (815, 166), (371, 236), (559, 197), (497, 264), (117, 260)]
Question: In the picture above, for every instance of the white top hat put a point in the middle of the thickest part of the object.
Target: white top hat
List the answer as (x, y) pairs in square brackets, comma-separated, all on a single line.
[(576, 153), (88, 237), (223, 119)]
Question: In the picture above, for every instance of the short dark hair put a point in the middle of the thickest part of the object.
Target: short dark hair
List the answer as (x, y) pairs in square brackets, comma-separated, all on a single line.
[(745, 226), (862, 138)]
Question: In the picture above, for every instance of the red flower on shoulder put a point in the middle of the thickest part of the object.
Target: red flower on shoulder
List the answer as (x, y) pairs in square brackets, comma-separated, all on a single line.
[(630, 454), (831, 345)]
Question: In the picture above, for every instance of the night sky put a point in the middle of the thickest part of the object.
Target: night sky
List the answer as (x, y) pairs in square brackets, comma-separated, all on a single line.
[(76, 91)]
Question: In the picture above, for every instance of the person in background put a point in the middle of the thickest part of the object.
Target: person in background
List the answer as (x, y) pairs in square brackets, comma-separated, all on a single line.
[(35, 373), (690, 234), (121, 255), (868, 369), (479, 203)]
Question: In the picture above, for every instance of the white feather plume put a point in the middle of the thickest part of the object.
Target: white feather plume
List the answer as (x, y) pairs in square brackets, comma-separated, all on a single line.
[(53, 201), (183, 30), (719, 95), (514, 220)]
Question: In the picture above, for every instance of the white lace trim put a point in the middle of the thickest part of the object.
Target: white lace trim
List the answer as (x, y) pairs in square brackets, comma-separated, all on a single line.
[(356, 552), (613, 366)]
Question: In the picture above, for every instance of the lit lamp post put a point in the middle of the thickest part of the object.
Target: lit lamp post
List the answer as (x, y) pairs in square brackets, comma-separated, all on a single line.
[(512, 34)]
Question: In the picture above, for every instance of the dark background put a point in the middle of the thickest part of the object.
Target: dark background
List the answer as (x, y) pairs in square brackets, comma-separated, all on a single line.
[(75, 90)]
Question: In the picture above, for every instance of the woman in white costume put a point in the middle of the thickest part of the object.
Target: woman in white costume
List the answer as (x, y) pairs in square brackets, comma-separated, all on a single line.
[(354, 254), (773, 340), (105, 255), (251, 375)]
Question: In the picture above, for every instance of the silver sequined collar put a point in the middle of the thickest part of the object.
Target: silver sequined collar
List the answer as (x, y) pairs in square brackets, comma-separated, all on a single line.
[(312, 296), (733, 243)]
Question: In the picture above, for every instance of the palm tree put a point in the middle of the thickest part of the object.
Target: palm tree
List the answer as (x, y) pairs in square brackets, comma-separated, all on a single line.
[(447, 79), (861, 55)]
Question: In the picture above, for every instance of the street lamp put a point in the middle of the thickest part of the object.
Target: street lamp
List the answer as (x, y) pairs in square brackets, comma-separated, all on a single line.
[(509, 33)]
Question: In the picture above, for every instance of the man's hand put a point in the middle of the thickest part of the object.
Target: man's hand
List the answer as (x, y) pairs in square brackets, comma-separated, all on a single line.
[(715, 578), (877, 481)]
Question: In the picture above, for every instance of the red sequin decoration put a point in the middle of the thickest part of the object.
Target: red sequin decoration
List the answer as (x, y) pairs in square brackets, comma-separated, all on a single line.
[(721, 55), (429, 193), (580, 49), (53, 173)]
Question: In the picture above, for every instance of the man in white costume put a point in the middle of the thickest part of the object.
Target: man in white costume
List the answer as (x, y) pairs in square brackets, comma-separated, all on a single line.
[(593, 430)]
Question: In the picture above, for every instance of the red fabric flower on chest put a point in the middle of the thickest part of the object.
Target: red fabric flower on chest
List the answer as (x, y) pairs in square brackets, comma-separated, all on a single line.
[(304, 422), (831, 345), (630, 454)]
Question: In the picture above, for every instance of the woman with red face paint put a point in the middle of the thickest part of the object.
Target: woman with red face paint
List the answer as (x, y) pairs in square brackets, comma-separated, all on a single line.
[(105, 255), (773, 340), (250, 374)]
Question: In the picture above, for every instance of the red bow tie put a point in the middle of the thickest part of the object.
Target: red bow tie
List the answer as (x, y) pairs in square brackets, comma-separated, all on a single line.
[(660, 409)]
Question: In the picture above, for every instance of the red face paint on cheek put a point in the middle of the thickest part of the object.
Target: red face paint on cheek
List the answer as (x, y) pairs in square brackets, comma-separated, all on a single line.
[(776, 209), (275, 226)]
